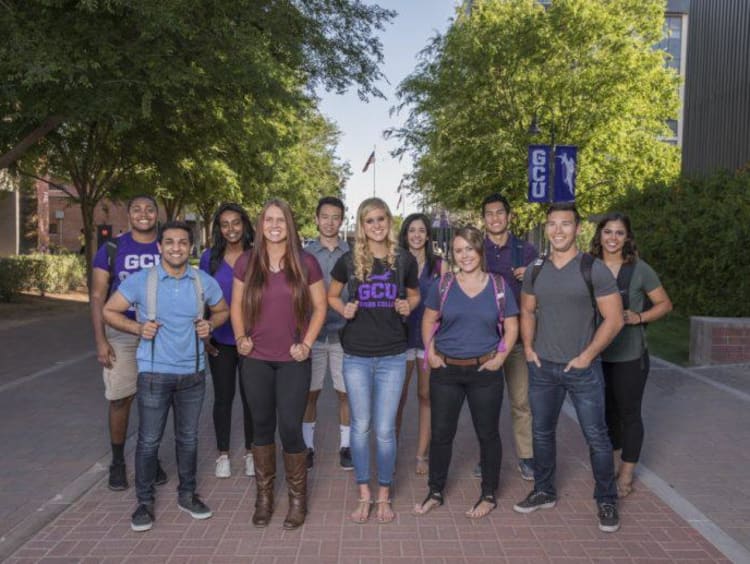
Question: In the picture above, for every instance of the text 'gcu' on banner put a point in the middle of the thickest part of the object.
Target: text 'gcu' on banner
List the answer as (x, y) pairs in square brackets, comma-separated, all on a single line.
[(539, 156), (566, 160)]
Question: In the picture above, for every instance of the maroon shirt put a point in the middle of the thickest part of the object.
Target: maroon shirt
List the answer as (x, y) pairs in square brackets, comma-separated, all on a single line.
[(275, 330)]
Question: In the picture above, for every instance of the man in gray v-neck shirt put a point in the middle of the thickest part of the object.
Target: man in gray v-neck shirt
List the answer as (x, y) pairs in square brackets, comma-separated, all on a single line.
[(562, 344)]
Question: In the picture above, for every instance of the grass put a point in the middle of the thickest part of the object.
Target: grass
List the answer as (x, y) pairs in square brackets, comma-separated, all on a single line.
[(669, 338)]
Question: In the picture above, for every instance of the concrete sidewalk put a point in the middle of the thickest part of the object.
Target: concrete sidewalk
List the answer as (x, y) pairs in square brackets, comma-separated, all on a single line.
[(697, 437)]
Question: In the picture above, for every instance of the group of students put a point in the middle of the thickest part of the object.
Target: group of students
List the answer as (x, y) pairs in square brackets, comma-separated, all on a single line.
[(369, 316)]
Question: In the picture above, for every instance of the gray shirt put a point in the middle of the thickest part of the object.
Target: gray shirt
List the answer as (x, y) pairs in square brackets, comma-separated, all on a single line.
[(326, 259), (565, 317)]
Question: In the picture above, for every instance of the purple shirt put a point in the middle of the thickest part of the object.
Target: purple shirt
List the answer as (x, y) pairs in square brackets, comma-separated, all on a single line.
[(224, 275), (275, 330), (500, 260), (131, 257)]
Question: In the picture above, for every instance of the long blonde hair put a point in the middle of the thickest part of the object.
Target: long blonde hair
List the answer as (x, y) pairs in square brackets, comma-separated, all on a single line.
[(363, 258)]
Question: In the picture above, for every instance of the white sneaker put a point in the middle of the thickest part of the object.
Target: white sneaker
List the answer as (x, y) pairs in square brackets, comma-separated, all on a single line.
[(249, 464), (223, 469)]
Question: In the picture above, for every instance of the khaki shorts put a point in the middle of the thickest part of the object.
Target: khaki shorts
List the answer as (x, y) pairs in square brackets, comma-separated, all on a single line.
[(120, 380), (327, 356)]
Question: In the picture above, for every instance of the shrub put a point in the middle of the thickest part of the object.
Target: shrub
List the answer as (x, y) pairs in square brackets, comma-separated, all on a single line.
[(694, 234), (46, 273)]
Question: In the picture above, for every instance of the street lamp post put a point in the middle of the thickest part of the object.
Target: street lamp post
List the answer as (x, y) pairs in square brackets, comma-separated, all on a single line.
[(534, 130)]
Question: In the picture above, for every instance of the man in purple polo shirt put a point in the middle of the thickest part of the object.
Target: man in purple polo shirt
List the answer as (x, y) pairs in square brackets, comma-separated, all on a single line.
[(113, 263), (507, 255)]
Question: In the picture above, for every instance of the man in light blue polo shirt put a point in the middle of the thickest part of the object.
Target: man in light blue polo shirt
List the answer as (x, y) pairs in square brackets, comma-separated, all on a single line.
[(171, 365)]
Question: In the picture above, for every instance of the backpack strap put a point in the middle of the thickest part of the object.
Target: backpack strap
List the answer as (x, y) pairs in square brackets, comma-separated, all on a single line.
[(516, 251), (352, 284), (444, 286), (200, 308), (401, 259), (587, 264), (537, 268), (152, 286), (498, 287), (623, 282), (112, 245)]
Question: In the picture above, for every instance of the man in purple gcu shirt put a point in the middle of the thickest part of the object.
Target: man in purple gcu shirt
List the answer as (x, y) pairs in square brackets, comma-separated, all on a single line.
[(113, 263)]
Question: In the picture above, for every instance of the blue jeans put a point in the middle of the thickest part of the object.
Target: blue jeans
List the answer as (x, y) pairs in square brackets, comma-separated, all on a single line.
[(547, 388), (156, 394), (373, 387)]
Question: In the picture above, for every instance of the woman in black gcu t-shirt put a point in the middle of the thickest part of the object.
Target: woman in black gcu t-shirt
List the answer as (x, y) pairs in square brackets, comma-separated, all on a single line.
[(383, 289)]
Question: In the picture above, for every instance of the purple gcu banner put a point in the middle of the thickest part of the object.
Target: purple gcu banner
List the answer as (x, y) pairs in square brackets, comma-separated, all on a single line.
[(566, 160), (539, 156)]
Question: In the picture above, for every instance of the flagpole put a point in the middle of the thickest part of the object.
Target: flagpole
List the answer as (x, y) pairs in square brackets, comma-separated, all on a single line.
[(374, 165)]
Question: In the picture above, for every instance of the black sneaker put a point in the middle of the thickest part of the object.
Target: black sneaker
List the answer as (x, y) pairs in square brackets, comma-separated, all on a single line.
[(118, 478), (194, 506), (143, 518), (609, 520), (534, 501), (310, 458), (161, 475), (345, 458)]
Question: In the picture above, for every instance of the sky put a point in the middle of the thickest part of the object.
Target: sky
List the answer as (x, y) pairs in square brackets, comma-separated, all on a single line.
[(362, 123)]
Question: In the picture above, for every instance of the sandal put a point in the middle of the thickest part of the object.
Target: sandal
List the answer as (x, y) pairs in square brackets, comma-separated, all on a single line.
[(422, 466), (362, 514), (380, 503), (483, 499), (435, 496)]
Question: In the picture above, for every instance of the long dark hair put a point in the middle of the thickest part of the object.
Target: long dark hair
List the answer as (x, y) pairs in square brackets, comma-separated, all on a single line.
[(258, 270), (629, 248), (218, 243), (431, 261)]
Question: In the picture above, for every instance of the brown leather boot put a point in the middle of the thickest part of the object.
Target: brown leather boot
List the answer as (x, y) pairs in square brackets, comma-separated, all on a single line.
[(265, 473), (296, 480)]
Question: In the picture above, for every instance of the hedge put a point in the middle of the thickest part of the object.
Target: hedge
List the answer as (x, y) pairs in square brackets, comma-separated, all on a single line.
[(695, 234), (43, 272)]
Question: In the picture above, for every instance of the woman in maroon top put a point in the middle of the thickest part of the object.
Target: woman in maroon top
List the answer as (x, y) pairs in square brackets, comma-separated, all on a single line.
[(278, 308)]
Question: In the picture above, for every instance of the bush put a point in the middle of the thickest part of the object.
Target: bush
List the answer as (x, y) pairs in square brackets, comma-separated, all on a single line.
[(694, 234), (46, 273)]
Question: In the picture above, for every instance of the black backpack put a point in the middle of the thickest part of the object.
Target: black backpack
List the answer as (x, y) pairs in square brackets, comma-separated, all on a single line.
[(623, 286)]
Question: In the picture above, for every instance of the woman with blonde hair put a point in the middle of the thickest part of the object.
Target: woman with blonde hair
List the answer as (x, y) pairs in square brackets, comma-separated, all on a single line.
[(278, 307), (383, 289)]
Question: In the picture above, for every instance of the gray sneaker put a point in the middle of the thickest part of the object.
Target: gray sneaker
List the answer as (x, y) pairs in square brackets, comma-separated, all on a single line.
[(195, 506), (534, 501), (143, 518), (609, 520), (526, 467)]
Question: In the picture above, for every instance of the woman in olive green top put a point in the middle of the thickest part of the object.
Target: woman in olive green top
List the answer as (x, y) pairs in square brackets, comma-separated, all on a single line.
[(625, 361)]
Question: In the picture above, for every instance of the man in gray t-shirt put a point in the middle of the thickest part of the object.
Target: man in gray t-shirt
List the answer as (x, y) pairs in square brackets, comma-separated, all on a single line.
[(562, 343)]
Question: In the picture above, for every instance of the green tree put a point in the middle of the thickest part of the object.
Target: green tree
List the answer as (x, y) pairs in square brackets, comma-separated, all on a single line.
[(588, 67)]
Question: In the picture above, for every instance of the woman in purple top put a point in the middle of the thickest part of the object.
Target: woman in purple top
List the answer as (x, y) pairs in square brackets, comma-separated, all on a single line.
[(278, 308), (415, 236), (231, 235)]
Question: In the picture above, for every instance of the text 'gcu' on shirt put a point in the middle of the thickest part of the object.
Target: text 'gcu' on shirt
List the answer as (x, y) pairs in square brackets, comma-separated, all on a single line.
[(377, 329), (131, 257), (565, 315), (275, 329), (468, 326)]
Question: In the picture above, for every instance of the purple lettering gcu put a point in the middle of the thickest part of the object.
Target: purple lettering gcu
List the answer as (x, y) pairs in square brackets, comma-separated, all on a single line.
[(377, 287)]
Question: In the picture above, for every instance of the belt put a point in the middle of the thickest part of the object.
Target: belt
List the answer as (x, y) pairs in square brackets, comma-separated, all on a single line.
[(474, 361)]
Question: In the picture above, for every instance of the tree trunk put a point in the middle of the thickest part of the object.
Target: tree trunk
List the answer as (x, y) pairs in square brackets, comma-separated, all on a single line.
[(87, 216), (24, 144)]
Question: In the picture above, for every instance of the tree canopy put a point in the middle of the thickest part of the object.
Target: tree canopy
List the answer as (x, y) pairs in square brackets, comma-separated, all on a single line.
[(588, 68)]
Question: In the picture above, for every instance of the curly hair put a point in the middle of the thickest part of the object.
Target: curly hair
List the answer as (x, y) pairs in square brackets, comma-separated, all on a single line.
[(629, 248), (363, 257)]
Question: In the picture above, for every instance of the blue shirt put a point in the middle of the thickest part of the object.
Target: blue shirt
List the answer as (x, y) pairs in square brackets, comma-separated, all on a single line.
[(327, 259), (414, 321), (468, 327), (174, 345)]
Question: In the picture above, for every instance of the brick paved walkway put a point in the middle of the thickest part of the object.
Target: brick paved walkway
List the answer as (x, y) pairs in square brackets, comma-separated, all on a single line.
[(96, 528)]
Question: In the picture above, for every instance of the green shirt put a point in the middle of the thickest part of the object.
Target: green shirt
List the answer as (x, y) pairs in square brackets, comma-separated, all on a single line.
[(631, 341)]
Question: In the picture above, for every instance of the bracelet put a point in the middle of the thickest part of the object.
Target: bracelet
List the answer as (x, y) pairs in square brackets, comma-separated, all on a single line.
[(304, 344), (640, 319)]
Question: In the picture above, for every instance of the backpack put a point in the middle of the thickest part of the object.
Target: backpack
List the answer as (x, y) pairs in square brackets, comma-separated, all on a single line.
[(623, 285), (149, 314), (444, 286), (516, 252), (112, 245)]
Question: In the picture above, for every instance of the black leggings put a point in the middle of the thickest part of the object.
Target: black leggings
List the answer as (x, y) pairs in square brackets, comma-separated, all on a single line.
[(277, 388), (224, 375), (484, 392), (624, 384)]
